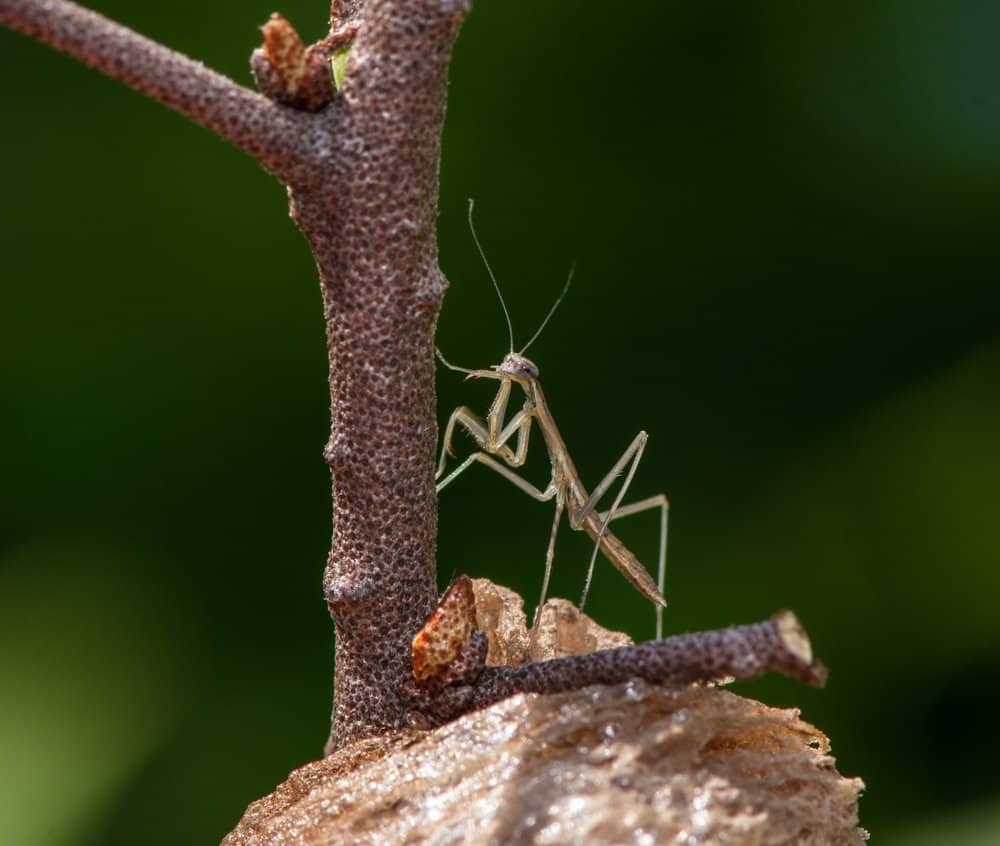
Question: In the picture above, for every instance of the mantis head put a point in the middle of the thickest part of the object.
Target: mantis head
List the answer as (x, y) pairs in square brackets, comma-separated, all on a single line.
[(515, 368)]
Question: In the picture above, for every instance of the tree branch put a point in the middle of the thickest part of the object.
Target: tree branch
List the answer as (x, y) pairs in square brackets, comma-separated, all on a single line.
[(374, 238), (738, 652), (362, 175), (246, 119), (449, 654)]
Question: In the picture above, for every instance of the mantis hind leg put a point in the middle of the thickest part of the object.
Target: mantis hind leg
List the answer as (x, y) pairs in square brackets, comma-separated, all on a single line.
[(648, 504), (630, 458)]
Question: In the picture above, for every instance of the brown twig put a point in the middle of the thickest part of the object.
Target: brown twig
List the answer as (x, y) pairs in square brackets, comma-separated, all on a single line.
[(449, 662), (738, 652), (246, 119)]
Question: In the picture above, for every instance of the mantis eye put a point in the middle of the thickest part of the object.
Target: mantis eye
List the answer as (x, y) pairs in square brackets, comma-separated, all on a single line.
[(528, 370), (519, 366)]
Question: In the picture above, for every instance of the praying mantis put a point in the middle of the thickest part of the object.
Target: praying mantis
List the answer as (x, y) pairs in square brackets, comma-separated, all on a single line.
[(494, 434)]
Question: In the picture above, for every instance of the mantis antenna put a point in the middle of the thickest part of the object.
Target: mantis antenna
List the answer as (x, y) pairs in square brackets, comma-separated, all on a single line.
[(489, 270), (552, 310)]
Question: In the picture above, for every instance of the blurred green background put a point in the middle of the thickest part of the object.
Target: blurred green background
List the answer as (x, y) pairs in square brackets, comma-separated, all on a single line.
[(785, 220)]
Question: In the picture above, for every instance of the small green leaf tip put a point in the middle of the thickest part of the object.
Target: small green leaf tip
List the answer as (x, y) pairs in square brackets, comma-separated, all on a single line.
[(338, 61)]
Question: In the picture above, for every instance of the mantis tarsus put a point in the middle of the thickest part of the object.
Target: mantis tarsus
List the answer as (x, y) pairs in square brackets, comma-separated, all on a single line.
[(493, 435)]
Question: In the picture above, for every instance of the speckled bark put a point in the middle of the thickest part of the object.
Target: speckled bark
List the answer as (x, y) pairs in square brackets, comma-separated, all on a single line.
[(739, 652), (375, 243), (362, 177), (568, 652)]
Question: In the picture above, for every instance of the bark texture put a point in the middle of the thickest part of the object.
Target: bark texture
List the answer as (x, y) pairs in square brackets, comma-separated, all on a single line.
[(362, 177), (375, 243)]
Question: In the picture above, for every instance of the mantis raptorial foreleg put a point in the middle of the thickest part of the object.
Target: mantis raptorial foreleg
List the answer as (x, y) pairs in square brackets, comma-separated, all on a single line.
[(520, 423), (488, 435)]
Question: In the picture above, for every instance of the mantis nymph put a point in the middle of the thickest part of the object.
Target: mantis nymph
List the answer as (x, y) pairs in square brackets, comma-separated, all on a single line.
[(493, 435)]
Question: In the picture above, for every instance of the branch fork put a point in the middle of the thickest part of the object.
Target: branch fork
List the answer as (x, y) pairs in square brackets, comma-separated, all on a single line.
[(291, 73)]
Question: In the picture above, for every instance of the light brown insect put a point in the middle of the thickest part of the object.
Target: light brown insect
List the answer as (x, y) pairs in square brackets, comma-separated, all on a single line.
[(493, 436)]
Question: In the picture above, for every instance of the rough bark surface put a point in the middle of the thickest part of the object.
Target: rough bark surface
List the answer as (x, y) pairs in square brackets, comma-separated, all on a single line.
[(362, 178), (375, 242), (452, 677)]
